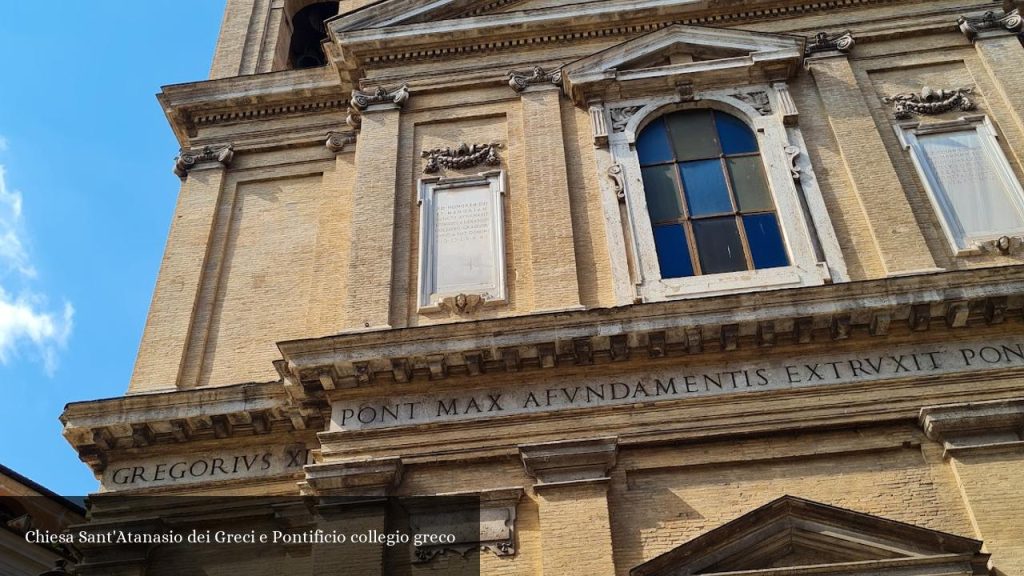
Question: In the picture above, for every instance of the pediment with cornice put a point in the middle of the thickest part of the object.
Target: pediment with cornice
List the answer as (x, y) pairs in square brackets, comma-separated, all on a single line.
[(792, 535), (683, 56)]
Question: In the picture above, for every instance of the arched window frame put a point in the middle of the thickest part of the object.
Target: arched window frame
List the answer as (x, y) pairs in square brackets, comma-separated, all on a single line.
[(815, 257), (743, 73)]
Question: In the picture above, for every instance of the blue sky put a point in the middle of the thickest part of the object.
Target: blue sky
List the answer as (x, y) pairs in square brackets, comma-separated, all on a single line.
[(86, 198)]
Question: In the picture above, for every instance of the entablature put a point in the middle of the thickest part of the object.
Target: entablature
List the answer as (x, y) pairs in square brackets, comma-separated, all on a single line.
[(316, 367)]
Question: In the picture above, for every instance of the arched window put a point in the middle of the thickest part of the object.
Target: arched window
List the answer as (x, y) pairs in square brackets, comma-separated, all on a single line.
[(710, 206), (308, 31)]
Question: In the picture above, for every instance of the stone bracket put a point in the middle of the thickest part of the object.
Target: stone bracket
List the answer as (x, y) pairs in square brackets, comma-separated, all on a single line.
[(570, 462)]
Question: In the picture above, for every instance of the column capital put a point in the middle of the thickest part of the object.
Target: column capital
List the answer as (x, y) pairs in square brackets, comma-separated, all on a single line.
[(974, 426), (991, 23), (570, 462), (823, 44), (371, 477), (380, 98), (536, 77), (186, 160)]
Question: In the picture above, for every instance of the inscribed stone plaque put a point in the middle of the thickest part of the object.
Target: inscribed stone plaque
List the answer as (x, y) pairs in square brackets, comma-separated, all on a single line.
[(461, 239), (974, 199), (464, 238)]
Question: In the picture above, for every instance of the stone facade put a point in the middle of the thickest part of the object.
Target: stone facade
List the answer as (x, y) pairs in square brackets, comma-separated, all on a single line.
[(860, 409)]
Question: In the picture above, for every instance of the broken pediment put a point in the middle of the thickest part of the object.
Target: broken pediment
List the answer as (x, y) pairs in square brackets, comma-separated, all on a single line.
[(816, 538), (681, 55)]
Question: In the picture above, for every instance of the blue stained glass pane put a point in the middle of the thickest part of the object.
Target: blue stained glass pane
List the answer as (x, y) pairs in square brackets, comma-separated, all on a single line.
[(652, 144), (765, 240), (673, 254), (736, 137), (704, 186)]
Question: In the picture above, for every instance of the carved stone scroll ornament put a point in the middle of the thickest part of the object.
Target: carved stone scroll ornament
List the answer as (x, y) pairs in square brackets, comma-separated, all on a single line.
[(792, 153), (338, 141), (462, 157), (362, 100), (188, 159), (930, 102), (758, 99), (618, 181), (520, 81), (824, 43), (621, 116), (1010, 21)]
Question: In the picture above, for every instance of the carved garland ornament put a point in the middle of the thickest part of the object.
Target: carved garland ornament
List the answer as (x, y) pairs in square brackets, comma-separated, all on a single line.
[(520, 81), (461, 303), (930, 102), (1010, 21), (188, 159), (462, 157), (824, 43)]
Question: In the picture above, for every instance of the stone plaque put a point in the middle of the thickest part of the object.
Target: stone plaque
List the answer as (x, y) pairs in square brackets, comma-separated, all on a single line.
[(968, 179), (461, 239)]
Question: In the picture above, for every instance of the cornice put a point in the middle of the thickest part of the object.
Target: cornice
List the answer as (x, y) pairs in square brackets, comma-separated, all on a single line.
[(192, 106), (615, 18), (794, 317)]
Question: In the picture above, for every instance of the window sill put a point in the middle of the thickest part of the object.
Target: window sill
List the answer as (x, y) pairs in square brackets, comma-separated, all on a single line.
[(717, 284)]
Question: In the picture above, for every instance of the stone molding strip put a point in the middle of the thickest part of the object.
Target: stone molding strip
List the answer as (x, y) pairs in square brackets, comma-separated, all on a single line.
[(857, 310), (976, 426)]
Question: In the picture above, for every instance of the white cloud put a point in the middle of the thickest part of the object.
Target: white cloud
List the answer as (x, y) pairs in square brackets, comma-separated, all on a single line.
[(25, 319)]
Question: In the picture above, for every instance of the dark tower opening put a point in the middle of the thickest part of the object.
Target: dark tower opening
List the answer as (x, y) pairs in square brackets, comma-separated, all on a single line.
[(308, 31)]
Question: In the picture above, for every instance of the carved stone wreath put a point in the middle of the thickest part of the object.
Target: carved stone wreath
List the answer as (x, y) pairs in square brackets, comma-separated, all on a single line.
[(930, 102), (462, 157)]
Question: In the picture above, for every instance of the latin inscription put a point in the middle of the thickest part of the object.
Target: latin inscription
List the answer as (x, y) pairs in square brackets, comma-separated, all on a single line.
[(678, 384), (464, 240), (219, 466)]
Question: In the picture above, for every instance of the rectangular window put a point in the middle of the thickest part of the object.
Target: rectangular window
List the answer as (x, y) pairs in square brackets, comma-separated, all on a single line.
[(968, 179), (461, 239)]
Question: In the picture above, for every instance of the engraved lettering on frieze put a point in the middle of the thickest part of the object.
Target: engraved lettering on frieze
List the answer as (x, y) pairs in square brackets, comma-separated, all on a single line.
[(520, 81), (618, 181), (188, 159), (757, 99), (930, 102), (362, 100), (461, 157), (226, 465), (620, 117), (675, 384), (792, 153), (823, 42), (1010, 21)]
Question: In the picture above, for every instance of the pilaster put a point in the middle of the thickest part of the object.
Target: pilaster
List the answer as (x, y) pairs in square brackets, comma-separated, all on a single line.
[(368, 303), (995, 38), (553, 260), (353, 500), (901, 246), (572, 493), (984, 445), (172, 312)]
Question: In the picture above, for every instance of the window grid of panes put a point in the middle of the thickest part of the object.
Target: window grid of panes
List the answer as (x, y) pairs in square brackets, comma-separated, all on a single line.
[(707, 196)]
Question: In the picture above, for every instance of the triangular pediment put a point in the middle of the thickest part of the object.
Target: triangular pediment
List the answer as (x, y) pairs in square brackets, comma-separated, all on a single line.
[(792, 532), (679, 54)]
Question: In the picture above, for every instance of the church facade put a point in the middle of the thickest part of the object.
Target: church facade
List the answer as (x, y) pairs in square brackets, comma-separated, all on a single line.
[(667, 286)]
